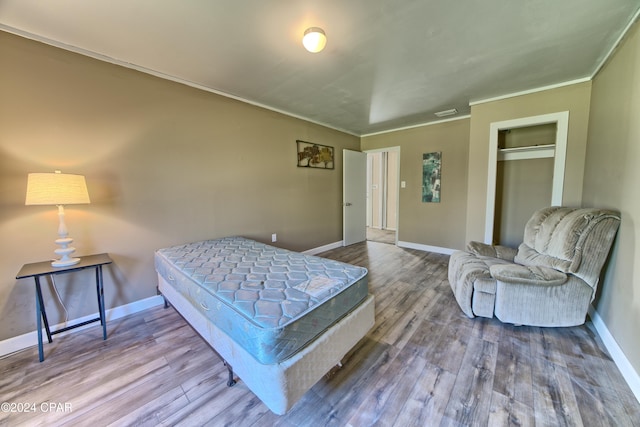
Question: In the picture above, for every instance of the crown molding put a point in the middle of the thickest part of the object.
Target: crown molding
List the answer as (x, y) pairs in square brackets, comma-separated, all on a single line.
[(105, 58), (437, 122)]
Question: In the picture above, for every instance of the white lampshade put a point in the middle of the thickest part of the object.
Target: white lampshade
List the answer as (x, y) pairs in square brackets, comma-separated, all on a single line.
[(56, 189), (314, 39)]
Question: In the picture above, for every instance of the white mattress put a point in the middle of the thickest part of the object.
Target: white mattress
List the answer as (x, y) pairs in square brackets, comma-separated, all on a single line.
[(280, 385)]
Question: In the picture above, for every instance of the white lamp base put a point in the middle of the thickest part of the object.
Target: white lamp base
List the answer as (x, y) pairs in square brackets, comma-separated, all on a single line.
[(65, 263), (64, 252)]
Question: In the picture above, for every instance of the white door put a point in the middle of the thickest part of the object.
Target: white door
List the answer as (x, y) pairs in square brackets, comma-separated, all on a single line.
[(354, 197)]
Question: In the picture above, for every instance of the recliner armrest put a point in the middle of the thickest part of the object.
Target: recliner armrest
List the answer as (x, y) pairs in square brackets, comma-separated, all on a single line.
[(527, 275), (501, 252)]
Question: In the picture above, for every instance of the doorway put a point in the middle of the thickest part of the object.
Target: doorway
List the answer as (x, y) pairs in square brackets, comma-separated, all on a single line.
[(383, 172), (555, 150)]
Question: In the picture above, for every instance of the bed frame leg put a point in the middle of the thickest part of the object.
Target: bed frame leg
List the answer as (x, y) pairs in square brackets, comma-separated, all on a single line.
[(166, 303), (230, 382)]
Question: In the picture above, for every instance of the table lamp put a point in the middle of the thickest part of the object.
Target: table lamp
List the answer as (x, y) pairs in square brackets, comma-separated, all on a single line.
[(58, 189)]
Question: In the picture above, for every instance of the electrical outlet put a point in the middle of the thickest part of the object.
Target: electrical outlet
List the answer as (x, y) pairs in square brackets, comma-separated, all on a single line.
[(274, 237)]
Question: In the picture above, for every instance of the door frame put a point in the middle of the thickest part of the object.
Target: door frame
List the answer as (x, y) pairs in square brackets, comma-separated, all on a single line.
[(397, 207), (561, 119), (380, 209)]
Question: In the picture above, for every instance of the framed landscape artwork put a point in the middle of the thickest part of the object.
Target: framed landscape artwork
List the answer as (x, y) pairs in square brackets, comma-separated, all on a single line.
[(312, 155), (431, 171)]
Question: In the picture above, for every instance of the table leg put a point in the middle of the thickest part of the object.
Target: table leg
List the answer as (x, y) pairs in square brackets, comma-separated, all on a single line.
[(40, 316), (100, 290), (39, 328), (42, 309)]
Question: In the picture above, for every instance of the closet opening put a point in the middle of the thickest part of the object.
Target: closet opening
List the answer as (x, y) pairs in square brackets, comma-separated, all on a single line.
[(525, 172), (524, 179)]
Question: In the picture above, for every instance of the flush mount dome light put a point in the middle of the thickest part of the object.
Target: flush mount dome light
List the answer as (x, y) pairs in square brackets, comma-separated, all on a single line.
[(314, 39)]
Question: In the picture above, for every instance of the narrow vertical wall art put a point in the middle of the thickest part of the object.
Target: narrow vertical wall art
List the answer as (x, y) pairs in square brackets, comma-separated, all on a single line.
[(431, 170)]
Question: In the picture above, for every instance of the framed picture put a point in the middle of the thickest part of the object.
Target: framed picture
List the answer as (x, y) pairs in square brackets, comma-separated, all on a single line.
[(431, 171), (312, 155)]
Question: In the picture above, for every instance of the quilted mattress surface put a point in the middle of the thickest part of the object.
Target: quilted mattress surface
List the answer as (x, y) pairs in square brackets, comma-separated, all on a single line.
[(271, 301)]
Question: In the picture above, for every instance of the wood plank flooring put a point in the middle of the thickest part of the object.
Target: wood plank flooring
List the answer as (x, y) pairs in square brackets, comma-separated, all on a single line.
[(381, 236), (423, 364)]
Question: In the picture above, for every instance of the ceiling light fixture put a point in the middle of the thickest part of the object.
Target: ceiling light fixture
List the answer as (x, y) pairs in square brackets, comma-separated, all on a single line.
[(314, 39), (446, 113)]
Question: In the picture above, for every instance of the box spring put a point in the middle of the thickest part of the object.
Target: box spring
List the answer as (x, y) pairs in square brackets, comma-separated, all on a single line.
[(281, 319)]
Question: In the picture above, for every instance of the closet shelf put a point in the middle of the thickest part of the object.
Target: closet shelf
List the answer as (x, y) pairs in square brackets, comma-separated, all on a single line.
[(529, 152)]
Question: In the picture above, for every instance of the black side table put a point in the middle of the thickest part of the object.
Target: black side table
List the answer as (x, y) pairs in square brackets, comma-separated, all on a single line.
[(38, 269)]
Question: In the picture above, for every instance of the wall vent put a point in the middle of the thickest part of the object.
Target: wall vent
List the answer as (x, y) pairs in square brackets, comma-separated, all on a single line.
[(446, 113)]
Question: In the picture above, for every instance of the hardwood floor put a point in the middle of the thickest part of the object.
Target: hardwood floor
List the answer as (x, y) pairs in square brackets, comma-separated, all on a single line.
[(424, 363), (381, 236)]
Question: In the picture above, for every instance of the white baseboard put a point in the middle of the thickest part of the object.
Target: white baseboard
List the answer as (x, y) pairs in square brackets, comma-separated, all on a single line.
[(324, 248), (408, 245), (628, 372), (426, 248), (30, 339)]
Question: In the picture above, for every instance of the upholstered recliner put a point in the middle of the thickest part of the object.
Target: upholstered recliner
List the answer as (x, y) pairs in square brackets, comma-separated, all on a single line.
[(550, 280)]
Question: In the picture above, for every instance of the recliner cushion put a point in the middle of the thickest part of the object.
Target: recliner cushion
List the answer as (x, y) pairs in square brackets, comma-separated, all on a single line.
[(554, 237), (529, 275), (529, 256)]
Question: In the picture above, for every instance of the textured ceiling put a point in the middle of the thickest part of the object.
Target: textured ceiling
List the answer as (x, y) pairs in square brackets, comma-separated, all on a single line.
[(387, 64)]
